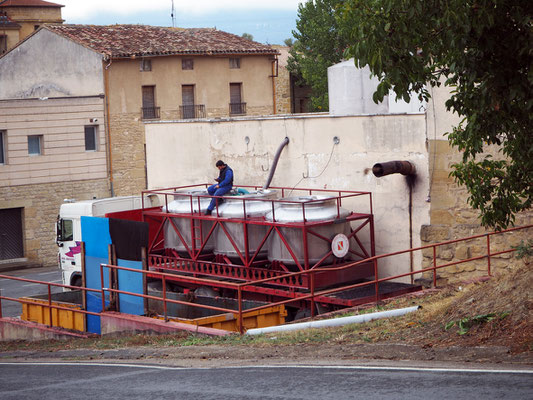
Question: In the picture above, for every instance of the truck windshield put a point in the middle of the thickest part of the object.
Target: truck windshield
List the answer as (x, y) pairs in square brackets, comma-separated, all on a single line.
[(65, 230)]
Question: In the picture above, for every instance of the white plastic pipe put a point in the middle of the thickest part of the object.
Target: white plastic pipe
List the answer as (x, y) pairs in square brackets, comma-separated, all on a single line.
[(356, 319)]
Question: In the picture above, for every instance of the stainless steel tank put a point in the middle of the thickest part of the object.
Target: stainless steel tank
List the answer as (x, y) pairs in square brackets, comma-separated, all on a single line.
[(188, 202), (317, 208), (234, 208)]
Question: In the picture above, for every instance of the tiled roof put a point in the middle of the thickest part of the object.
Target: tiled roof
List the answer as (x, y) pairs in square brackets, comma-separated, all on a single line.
[(118, 41), (28, 3)]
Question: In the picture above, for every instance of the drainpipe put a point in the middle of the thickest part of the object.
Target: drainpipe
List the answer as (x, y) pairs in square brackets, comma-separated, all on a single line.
[(409, 171), (274, 76), (275, 162), (107, 128), (356, 319)]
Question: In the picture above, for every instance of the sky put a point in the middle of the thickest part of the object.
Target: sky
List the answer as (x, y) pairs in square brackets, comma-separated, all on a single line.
[(269, 21)]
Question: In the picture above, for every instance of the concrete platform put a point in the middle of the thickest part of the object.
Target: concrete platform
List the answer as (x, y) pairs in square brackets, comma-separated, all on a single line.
[(16, 329), (113, 323)]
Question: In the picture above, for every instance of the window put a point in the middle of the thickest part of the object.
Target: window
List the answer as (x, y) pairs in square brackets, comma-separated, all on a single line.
[(3, 44), (35, 145), (187, 99), (187, 63), (65, 230), (234, 63), (236, 106), (146, 65), (2, 147), (91, 138), (149, 110)]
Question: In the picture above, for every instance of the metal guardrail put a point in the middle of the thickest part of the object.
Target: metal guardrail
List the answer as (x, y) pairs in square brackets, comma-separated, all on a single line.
[(49, 286)]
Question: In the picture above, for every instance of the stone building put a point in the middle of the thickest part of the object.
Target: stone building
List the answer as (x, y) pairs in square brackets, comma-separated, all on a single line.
[(72, 125), (19, 18)]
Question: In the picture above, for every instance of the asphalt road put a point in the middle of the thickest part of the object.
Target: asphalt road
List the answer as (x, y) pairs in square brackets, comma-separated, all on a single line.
[(17, 289), (101, 381)]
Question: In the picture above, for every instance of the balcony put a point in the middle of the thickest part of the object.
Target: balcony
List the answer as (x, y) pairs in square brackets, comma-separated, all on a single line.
[(193, 111), (150, 112), (237, 108)]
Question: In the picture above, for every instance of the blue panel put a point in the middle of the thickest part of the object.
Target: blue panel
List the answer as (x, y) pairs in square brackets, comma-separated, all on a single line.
[(95, 234), (130, 282), (94, 300)]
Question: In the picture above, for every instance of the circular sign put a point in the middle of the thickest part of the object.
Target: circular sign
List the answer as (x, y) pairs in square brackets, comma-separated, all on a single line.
[(340, 245)]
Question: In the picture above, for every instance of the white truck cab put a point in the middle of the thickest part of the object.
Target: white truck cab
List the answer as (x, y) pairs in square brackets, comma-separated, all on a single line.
[(68, 228)]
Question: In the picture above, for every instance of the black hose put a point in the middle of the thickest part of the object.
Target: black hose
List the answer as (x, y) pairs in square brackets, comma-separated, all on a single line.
[(275, 162)]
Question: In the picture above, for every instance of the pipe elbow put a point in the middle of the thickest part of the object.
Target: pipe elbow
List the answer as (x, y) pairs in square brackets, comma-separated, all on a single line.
[(393, 167)]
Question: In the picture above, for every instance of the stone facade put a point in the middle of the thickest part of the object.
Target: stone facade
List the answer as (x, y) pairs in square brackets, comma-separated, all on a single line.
[(40, 205), (283, 82), (127, 154), (452, 218)]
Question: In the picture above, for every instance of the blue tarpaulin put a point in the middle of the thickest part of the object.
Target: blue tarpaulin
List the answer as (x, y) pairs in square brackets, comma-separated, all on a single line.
[(130, 281), (95, 234)]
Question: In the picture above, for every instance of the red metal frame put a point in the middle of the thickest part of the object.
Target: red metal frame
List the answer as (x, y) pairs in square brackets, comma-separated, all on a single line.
[(250, 266)]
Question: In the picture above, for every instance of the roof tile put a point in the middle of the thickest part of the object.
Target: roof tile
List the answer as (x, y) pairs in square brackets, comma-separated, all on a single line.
[(119, 41), (28, 3)]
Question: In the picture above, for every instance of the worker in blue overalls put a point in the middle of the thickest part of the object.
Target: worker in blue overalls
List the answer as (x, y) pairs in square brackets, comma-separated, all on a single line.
[(223, 185)]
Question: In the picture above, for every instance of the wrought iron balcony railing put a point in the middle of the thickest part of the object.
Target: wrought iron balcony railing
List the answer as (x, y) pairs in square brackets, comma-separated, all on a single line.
[(150, 112), (192, 111), (237, 108)]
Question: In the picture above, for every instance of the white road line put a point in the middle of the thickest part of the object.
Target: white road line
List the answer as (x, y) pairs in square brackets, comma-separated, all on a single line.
[(352, 367)]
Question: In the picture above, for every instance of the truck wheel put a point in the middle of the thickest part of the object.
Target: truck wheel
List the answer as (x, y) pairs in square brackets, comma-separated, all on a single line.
[(76, 281)]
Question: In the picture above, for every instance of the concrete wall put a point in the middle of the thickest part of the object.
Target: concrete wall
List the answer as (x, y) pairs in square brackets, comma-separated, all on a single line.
[(351, 91), (61, 124), (37, 184), (50, 66), (181, 153)]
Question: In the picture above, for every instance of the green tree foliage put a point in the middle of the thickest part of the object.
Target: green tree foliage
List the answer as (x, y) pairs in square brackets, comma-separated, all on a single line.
[(289, 42), (319, 44), (483, 50), (248, 36)]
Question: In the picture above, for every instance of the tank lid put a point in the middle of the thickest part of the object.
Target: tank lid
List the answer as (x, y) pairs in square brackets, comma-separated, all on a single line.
[(310, 201)]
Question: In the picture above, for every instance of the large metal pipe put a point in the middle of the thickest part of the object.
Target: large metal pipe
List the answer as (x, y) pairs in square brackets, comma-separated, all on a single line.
[(409, 170), (356, 319), (275, 162), (393, 167)]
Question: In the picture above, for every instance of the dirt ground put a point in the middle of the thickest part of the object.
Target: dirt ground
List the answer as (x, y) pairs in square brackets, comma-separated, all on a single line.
[(487, 322)]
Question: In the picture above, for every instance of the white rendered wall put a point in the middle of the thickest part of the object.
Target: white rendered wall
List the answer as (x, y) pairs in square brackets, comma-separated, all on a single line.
[(351, 90), (181, 153), (49, 65)]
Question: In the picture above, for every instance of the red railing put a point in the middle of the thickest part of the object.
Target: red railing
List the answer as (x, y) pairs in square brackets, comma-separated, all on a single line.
[(312, 296), (49, 287), (199, 236)]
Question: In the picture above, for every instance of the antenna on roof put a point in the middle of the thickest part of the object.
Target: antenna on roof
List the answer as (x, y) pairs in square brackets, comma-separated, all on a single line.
[(172, 15)]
